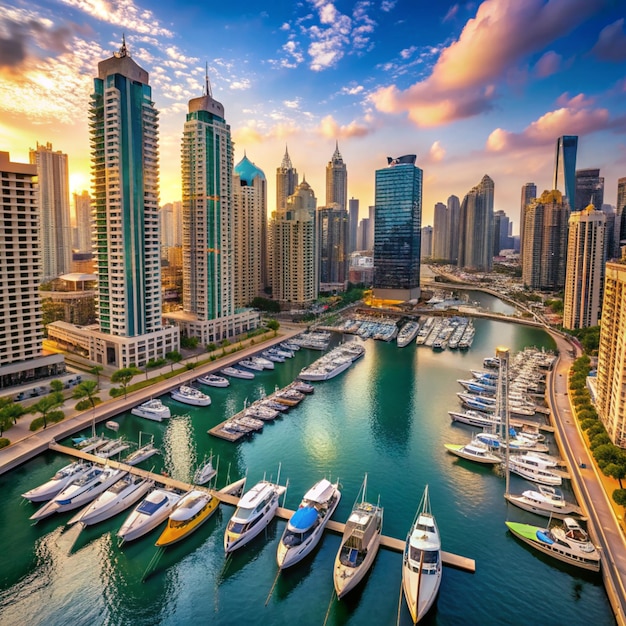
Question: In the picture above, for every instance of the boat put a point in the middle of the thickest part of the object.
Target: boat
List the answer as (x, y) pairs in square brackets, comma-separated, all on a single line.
[(350, 349), (474, 418), (359, 544), (266, 364), (303, 387), (535, 468), (117, 498), (251, 364), (190, 395), (516, 442), (213, 380), (421, 564), (80, 491), (142, 453), (152, 409), (148, 514), (545, 500), (254, 512), (235, 372), (112, 448), (474, 451), (205, 472), (491, 362), (277, 406), (305, 527), (58, 482), (191, 511), (290, 397), (262, 412), (89, 444), (111, 425), (270, 355), (568, 543), (325, 370)]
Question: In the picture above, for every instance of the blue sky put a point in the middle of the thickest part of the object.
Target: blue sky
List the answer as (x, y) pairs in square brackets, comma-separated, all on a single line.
[(472, 88)]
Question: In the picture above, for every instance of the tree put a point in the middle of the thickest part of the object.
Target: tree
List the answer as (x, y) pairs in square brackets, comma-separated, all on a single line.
[(56, 385), (9, 412), (123, 377), (45, 405), (619, 497), (86, 391), (96, 370), (614, 470), (174, 357), (273, 325)]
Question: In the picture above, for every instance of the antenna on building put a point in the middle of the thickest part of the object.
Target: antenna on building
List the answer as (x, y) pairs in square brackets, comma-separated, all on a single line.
[(207, 84), (123, 51)]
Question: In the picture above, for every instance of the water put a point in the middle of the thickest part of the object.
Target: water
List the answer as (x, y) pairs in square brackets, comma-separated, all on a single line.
[(387, 416)]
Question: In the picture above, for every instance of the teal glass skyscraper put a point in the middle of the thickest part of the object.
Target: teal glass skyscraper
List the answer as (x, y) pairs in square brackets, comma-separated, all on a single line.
[(397, 229), (565, 168)]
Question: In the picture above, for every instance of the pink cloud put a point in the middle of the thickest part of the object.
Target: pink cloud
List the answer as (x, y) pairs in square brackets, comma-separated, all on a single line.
[(577, 102), (548, 64), (330, 128), (611, 44)]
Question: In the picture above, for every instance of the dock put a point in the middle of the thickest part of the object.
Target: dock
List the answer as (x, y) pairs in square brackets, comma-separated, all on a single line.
[(397, 545)]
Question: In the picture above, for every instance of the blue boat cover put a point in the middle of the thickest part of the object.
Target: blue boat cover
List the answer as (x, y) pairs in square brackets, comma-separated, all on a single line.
[(150, 508), (303, 518), (544, 538)]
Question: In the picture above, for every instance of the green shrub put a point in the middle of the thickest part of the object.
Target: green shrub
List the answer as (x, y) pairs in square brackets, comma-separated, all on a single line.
[(36, 424), (4, 442)]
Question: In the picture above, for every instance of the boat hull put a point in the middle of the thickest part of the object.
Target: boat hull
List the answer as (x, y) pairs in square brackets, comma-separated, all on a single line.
[(543, 509), (428, 590), (233, 542), (459, 451), (172, 535), (347, 578)]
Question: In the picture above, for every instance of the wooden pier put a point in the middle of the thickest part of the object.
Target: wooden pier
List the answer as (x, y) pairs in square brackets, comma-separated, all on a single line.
[(397, 545)]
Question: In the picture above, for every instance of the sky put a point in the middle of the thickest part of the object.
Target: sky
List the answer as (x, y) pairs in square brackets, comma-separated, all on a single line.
[(471, 88)]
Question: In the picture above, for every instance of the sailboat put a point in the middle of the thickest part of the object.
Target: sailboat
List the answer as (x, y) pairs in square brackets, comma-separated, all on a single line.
[(359, 544), (421, 565)]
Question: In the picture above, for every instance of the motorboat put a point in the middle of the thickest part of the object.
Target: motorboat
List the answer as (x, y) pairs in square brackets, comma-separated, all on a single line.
[(421, 564), (58, 482), (474, 418), (251, 365), (326, 369), (112, 448), (89, 444), (152, 409), (205, 472), (474, 451), (117, 498), (544, 500), (213, 380), (266, 364), (290, 397), (148, 514), (359, 544), (254, 512), (491, 362), (515, 442), (262, 412), (303, 387), (191, 395), (191, 511), (270, 355), (351, 349), (141, 454), (407, 333), (305, 527), (236, 372), (250, 422), (568, 543), (80, 491), (277, 406), (536, 468)]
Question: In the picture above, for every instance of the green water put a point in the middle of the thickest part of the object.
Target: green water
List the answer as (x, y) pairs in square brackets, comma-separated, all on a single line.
[(387, 416)]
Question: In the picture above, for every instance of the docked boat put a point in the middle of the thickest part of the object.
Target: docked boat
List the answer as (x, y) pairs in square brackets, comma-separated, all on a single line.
[(152, 409), (191, 511), (117, 498), (148, 514), (142, 453), (568, 543), (359, 544), (89, 444), (205, 472), (270, 355), (236, 372), (277, 406), (262, 412), (112, 448), (516, 443), (305, 527), (535, 468), (325, 370), (213, 380), (251, 364), (350, 349), (491, 362), (266, 364), (546, 501), (290, 397), (474, 451), (421, 564), (474, 418), (191, 395), (302, 387), (58, 482), (254, 512)]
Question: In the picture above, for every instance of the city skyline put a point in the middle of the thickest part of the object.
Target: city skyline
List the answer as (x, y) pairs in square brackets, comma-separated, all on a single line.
[(471, 89)]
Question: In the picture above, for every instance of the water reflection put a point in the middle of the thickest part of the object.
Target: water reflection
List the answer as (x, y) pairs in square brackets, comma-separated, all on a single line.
[(179, 448)]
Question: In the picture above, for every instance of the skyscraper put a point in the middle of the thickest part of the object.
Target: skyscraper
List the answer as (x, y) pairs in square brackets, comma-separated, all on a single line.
[(332, 242), (454, 213), (440, 233), (426, 244), (620, 217), (337, 181), (353, 210), (54, 206), (84, 228), (584, 272), (397, 229), (476, 227), (565, 168), (286, 181), (589, 189), (529, 192), (501, 228)]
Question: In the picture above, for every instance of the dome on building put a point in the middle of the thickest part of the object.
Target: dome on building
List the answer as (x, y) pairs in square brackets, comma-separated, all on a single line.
[(248, 171)]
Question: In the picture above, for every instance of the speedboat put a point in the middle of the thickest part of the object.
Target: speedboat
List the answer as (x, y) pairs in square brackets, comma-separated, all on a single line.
[(57, 483), (535, 468), (152, 409), (254, 512), (81, 491), (148, 514), (305, 528), (421, 564), (117, 498), (475, 418), (191, 395), (236, 372), (568, 543), (474, 451), (359, 544), (266, 364), (192, 510), (547, 501), (213, 380)]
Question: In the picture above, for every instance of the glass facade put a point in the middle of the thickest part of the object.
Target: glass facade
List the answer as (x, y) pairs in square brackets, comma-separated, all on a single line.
[(565, 167)]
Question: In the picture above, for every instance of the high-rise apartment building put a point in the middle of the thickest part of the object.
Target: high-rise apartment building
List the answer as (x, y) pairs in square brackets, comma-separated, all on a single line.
[(620, 217), (529, 192), (21, 328), (589, 189), (565, 168), (397, 229), (353, 211), (364, 234), (476, 227), (611, 377), (426, 244), (454, 214), (337, 181), (584, 273), (440, 234), (332, 245), (545, 234), (84, 226), (286, 182), (55, 232), (501, 228), (250, 229)]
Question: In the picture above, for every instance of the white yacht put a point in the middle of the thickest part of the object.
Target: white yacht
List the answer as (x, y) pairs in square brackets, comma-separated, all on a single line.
[(545, 500), (121, 495), (205, 472), (266, 364), (407, 333), (237, 372), (142, 453), (475, 418), (305, 528), (254, 512), (421, 565), (326, 369), (251, 364), (213, 380), (57, 483), (112, 448), (535, 468), (153, 410), (190, 395), (474, 451), (148, 514)]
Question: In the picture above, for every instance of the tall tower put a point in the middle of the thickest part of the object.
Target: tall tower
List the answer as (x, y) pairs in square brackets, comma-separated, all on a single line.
[(565, 168), (454, 213), (501, 239), (589, 189), (286, 181), (440, 233), (250, 229), (620, 217), (353, 210), (426, 242), (337, 181), (529, 192), (54, 204), (332, 244), (476, 227), (82, 207), (584, 274), (397, 229)]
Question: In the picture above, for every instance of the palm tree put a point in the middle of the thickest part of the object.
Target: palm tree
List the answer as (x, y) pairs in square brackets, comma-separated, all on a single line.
[(95, 370), (46, 404), (123, 377), (87, 391), (9, 412), (174, 357)]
